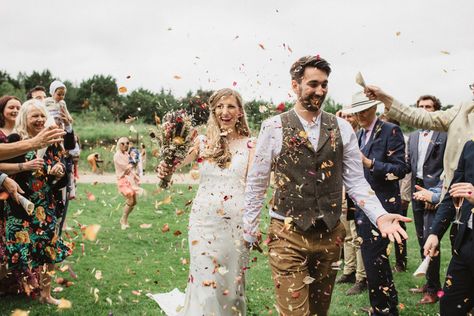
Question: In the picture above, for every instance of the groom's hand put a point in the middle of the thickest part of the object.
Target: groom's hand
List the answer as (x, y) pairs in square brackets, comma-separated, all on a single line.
[(389, 226)]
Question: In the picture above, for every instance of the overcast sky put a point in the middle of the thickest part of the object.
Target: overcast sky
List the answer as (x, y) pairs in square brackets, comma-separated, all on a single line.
[(212, 44)]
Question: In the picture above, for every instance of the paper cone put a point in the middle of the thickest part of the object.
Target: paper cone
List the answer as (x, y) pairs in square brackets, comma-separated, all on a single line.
[(421, 271), (26, 204), (360, 80)]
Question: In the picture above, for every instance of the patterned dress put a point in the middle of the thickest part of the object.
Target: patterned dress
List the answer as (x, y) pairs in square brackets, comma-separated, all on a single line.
[(33, 240)]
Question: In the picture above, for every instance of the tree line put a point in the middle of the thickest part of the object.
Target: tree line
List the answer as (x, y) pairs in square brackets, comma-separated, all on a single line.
[(100, 96)]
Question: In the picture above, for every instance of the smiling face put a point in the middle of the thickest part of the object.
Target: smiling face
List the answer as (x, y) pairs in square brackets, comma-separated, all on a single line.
[(10, 112), (227, 113), (35, 121), (312, 89)]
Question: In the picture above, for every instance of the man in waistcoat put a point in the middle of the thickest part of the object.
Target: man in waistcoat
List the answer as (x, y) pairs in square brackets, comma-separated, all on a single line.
[(312, 154)]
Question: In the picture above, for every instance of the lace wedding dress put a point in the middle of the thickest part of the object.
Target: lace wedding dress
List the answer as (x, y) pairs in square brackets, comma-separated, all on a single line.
[(217, 250)]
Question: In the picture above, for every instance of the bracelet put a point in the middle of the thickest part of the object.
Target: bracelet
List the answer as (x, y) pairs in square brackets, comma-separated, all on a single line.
[(20, 166)]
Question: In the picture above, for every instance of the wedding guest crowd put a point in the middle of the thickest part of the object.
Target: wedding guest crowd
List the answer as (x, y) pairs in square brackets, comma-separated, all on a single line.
[(342, 183)]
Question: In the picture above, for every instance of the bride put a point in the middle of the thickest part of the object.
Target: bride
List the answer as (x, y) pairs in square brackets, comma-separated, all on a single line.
[(217, 250)]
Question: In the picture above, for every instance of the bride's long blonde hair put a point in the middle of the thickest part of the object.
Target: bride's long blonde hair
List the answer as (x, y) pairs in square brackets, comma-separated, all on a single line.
[(217, 146)]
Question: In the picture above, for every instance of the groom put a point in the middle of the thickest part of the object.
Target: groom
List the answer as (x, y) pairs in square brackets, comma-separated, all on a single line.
[(312, 154)]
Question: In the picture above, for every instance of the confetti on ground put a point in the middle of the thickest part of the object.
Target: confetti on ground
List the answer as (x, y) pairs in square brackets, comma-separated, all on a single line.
[(64, 304)]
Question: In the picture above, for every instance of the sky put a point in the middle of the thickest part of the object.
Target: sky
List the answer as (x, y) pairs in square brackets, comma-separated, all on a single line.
[(406, 47)]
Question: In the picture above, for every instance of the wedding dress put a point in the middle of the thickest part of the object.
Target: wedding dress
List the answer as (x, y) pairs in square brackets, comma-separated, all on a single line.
[(217, 251)]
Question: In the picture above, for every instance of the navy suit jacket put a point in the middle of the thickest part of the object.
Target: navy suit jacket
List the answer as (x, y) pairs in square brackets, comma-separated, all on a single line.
[(387, 147), (433, 164), (446, 211)]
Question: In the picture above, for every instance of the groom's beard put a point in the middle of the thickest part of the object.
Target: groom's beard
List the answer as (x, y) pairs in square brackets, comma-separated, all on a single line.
[(312, 102)]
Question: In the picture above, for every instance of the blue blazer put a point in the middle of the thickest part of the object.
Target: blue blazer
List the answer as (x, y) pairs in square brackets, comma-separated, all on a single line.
[(446, 211), (387, 147)]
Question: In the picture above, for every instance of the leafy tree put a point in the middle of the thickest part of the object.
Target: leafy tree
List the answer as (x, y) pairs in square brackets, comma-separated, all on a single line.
[(331, 106), (197, 105), (98, 91), (37, 78)]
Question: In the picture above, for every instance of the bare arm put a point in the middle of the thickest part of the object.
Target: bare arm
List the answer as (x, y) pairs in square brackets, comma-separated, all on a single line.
[(14, 168), (44, 138)]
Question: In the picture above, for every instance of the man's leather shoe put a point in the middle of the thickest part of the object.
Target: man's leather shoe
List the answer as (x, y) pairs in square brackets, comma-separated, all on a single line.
[(347, 278), (367, 310), (429, 298), (358, 287)]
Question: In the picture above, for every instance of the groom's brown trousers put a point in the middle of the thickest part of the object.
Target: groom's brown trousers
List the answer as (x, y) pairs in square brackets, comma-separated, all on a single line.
[(302, 268)]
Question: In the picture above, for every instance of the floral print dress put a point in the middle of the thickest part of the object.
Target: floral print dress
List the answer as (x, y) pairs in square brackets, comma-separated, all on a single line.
[(33, 240)]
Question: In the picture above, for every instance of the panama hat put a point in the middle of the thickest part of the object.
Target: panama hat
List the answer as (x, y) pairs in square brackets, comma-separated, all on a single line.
[(360, 103)]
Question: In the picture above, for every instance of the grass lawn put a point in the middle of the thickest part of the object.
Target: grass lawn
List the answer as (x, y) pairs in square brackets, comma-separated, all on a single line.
[(141, 260)]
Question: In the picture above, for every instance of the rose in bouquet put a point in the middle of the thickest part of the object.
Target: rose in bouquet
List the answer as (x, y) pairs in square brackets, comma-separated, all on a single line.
[(175, 136)]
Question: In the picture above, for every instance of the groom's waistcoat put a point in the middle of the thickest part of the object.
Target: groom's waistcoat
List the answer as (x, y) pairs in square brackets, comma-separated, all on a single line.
[(308, 181)]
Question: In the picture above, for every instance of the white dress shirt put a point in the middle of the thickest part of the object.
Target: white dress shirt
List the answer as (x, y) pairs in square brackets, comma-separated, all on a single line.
[(423, 142), (269, 145)]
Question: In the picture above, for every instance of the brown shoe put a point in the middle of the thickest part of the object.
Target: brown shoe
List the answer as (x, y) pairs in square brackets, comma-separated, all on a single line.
[(347, 278), (359, 287), (429, 298), (418, 290), (398, 268)]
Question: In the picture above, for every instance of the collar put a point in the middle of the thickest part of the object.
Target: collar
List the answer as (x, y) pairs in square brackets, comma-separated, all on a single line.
[(315, 123)]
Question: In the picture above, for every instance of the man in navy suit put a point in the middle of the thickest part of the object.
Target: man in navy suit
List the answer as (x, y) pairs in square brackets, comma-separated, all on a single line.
[(383, 157), (425, 158), (459, 286)]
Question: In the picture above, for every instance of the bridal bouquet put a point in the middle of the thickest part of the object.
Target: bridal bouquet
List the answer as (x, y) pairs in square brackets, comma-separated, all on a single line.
[(175, 137)]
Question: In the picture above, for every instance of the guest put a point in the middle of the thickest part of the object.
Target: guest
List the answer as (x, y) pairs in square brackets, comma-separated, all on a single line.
[(144, 157), (401, 251), (55, 104), (458, 290), (127, 179), (38, 93), (455, 121), (94, 159), (33, 244), (383, 157), (425, 159)]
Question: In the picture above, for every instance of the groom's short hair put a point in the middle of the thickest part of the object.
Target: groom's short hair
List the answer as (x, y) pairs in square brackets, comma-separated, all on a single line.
[(297, 69)]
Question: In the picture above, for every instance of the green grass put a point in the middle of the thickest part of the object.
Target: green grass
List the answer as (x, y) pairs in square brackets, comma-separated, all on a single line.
[(149, 260)]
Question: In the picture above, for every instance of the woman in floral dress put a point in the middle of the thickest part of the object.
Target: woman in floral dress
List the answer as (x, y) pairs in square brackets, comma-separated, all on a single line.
[(33, 243)]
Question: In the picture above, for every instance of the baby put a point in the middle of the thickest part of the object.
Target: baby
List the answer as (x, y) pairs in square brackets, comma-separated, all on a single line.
[(55, 104)]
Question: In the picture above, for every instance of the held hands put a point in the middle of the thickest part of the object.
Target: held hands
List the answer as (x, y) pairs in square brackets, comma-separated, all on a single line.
[(389, 226), (256, 244), (463, 189), (431, 246)]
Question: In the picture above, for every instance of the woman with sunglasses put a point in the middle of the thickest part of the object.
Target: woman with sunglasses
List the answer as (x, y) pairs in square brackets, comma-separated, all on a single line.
[(127, 179)]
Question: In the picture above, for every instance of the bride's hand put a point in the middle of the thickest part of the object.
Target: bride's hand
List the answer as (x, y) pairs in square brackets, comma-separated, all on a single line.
[(163, 170)]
